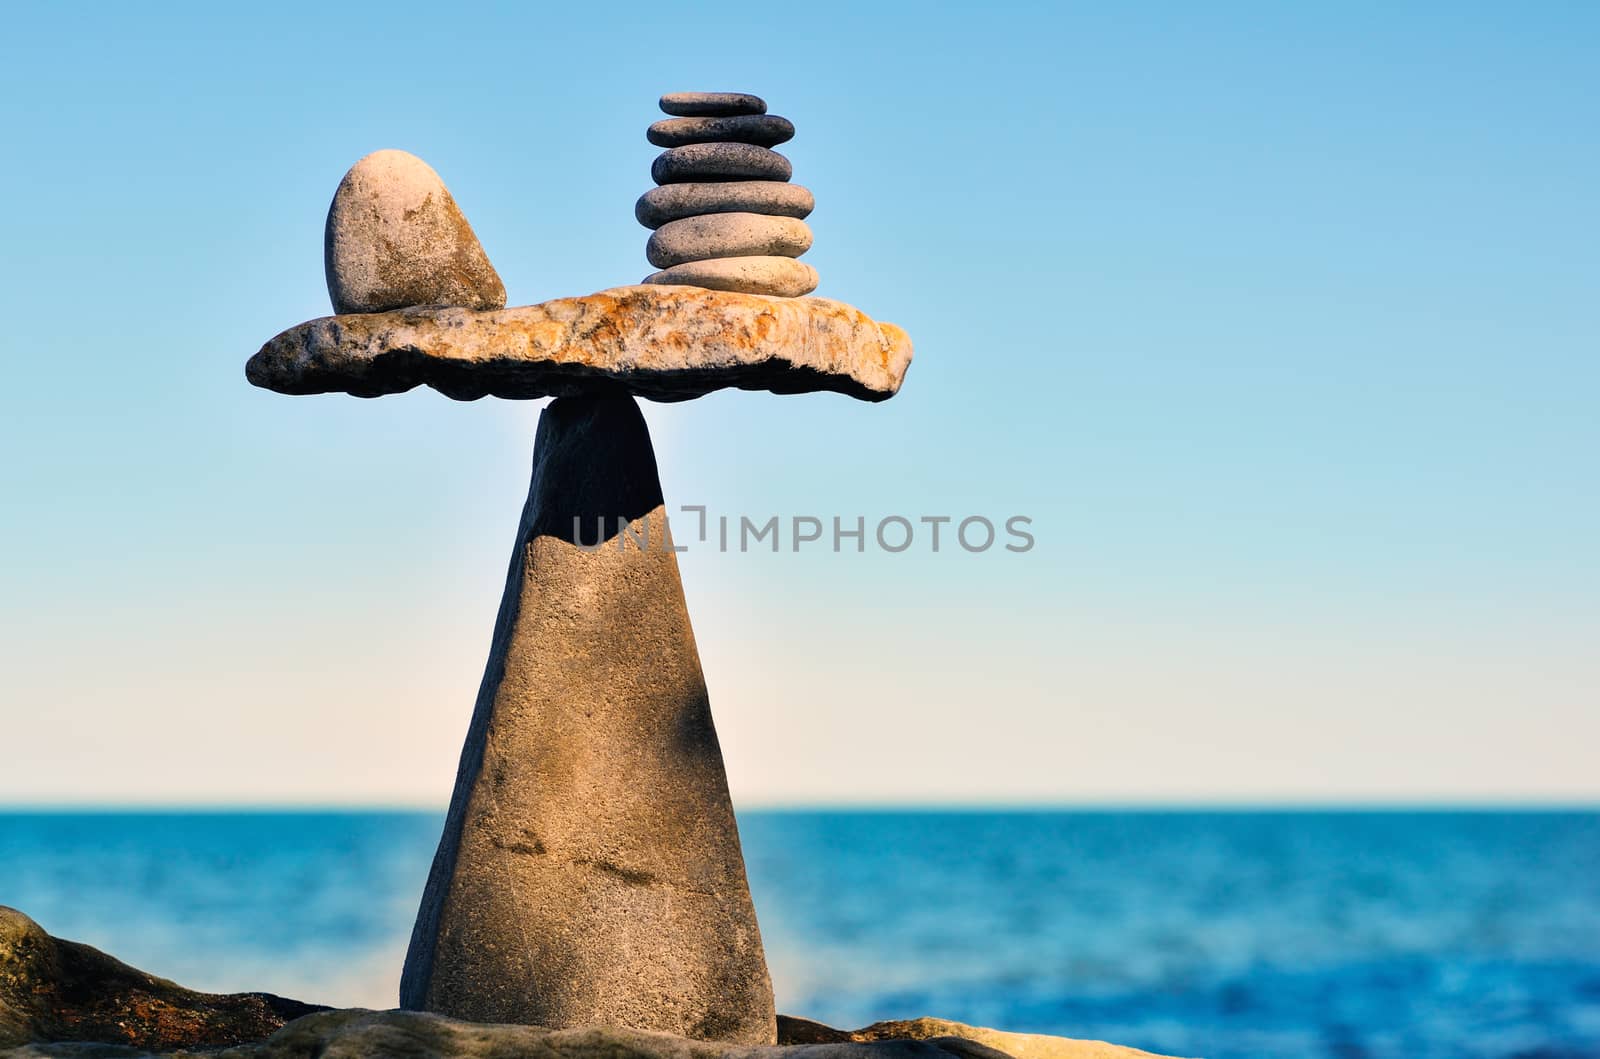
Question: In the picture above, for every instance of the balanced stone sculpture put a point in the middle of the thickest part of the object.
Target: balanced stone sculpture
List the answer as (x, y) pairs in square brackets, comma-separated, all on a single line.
[(590, 869), (725, 216)]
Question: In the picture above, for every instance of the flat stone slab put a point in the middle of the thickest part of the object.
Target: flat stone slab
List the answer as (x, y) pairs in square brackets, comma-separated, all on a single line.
[(662, 342)]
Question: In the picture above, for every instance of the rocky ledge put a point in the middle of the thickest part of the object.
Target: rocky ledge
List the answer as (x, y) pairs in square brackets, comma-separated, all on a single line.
[(666, 343), (57, 990), (62, 998)]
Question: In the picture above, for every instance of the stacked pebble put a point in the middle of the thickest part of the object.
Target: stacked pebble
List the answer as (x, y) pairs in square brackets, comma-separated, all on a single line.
[(725, 215)]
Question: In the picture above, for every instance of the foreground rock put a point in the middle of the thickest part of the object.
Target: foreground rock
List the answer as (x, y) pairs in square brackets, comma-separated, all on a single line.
[(60, 998), (395, 237), (54, 990), (667, 343), (590, 870), (357, 1034)]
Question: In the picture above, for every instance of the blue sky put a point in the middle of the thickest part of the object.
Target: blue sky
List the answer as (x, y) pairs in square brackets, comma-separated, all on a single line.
[(1280, 322)]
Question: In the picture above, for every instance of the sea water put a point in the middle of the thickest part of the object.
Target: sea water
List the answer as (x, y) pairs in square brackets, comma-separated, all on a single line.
[(1221, 934)]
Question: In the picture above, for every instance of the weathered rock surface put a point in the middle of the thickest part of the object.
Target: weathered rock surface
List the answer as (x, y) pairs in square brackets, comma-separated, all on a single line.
[(55, 990), (590, 870), (670, 202), (395, 237), (781, 277), (711, 104), (727, 235), (719, 161), (763, 130), (668, 343)]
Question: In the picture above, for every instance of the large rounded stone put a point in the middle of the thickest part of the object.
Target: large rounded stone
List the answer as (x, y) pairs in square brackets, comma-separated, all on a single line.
[(719, 161), (782, 277), (590, 872), (711, 104), (670, 202), (727, 235), (763, 130), (396, 238)]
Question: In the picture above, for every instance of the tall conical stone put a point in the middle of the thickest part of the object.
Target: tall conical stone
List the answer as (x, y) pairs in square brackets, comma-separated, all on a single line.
[(590, 869)]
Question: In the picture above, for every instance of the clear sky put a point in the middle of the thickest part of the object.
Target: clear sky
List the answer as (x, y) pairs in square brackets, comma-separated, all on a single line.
[(1280, 321)]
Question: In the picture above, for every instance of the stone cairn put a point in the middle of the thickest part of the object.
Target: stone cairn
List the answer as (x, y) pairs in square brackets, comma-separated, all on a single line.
[(725, 216), (590, 870)]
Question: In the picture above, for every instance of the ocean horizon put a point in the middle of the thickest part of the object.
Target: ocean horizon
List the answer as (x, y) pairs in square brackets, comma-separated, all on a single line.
[(1217, 930)]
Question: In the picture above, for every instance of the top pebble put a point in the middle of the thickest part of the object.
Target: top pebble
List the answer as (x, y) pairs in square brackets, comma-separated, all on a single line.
[(711, 104)]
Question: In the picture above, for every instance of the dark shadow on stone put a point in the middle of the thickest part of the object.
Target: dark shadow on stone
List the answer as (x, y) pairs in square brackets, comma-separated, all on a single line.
[(592, 461)]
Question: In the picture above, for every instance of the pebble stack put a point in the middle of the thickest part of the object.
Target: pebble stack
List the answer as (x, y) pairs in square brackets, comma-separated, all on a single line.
[(724, 214)]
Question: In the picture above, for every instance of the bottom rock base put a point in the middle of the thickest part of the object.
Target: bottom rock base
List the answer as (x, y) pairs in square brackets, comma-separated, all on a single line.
[(64, 999)]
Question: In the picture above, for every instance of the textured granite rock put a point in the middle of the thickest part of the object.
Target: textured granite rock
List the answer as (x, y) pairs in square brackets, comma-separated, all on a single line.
[(395, 237), (727, 235), (763, 130), (711, 104), (780, 277), (590, 870), (55, 990), (670, 202), (719, 161), (668, 343)]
